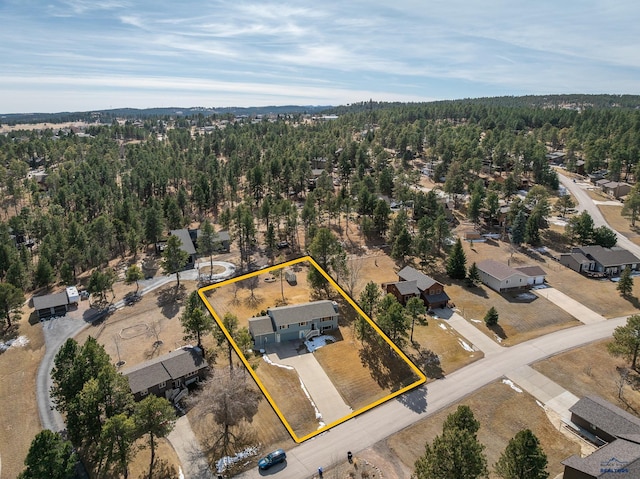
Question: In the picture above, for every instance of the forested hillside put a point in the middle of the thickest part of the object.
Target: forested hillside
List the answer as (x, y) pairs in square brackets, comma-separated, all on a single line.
[(73, 200)]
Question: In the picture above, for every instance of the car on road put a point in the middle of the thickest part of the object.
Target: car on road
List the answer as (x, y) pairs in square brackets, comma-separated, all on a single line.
[(271, 459)]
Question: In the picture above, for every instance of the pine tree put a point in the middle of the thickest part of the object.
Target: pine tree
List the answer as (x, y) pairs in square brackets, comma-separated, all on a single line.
[(625, 285), (626, 340), (457, 263), (473, 276), (519, 228), (491, 318), (523, 458)]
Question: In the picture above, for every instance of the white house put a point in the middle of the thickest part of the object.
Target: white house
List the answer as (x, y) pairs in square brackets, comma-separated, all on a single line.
[(501, 277)]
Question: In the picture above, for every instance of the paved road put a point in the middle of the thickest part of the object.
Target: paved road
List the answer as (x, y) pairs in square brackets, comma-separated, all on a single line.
[(367, 429), (585, 203)]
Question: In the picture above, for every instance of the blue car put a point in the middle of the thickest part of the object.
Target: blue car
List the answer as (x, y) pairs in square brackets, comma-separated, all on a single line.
[(275, 457)]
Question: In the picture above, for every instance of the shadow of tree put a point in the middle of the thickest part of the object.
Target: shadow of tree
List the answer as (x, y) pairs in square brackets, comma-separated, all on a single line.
[(429, 363), (170, 299), (497, 329), (163, 469), (416, 399), (386, 367)]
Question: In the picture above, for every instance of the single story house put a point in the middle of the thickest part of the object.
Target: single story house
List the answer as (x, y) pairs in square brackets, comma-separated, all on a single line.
[(596, 259), (615, 430), (167, 375), (413, 283), (616, 189), (187, 245), (501, 277), (56, 304), (298, 321)]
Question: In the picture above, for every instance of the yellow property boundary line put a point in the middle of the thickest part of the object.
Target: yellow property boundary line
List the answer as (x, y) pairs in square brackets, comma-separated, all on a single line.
[(421, 377)]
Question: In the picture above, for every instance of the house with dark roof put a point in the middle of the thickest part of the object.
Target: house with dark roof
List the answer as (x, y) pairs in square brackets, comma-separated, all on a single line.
[(596, 259), (616, 189), (298, 321), (413, 283), (616, 431), (56, 304), (167, 375), (189, 243), (501, 277)]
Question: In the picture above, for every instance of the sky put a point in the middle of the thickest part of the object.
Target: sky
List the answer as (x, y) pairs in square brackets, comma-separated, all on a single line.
[(82, 55)]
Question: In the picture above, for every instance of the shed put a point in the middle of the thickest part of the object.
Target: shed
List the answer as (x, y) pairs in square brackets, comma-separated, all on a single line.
[(291, 278), (73, 295)]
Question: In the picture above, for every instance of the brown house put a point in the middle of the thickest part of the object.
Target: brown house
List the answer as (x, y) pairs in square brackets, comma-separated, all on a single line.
[(413, 283), (168, 375), (615, 431)]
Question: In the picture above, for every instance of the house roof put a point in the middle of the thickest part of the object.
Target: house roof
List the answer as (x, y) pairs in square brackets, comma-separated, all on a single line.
[(619, 454), (531, 271), (297, 313), (185, 238), (609, 256), (606, 416), (50, 300), (498, 270), (260, 326), (164, 368), (437, 298), (422, 280), (579, 257), (407, 287)]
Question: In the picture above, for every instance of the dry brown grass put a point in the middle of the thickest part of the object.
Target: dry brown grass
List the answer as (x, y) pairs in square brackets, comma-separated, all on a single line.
[(166, 458), (613, 215), (19, 417), (591, 369), (446, 344), (502, 412)]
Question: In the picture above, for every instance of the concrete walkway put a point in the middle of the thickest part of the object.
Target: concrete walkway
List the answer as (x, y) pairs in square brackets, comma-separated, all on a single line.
[(323, 393), (550, 394), (194, 464), (570, 305)]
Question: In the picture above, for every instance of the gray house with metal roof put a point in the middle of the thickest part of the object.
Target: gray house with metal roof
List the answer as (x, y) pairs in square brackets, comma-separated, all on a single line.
[(167, 375), (299, 321), (606, 424), (596, 259)]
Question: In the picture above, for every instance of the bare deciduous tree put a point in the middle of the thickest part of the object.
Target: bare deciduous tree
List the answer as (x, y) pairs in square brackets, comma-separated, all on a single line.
[(353, 275), (231, 400)]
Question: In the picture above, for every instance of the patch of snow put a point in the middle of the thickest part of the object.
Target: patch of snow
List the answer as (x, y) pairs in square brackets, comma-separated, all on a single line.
[(180, 474), (443, 326), (318, 342), (19, 342), (498, 338), (509, 383), (476, 320), (539, 404), (227, 461), (321, 423), (465, 346), (526, 296), (267, 360)]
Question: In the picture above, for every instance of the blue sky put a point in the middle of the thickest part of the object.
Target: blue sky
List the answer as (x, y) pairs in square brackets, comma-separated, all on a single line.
[(69, 55)]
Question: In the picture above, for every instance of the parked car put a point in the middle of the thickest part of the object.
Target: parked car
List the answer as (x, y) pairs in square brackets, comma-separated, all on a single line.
[(271, 459)]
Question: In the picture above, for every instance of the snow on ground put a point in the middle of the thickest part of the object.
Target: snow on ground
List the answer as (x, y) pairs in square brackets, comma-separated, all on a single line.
[(180, 473), (321, 423), (227, 461), (509, 383), (476, 320), (465, 345), (539, 404), (318, 342), (267, 360), (443, 326), (19, 342), (498, 338)]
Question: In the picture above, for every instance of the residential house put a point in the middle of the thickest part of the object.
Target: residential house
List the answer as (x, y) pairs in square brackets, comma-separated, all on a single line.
[(56, 304), (502, 278), (167, 375), (616, 189), (413, 283), (189, 240), (596, 259), (299, 321), (616, 433)]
